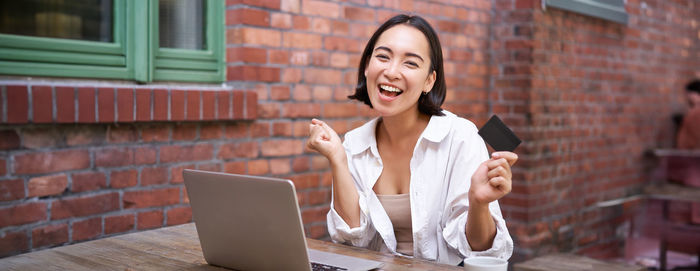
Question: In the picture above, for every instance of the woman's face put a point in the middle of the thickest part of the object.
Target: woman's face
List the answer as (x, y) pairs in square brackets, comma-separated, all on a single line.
[(398, 70)]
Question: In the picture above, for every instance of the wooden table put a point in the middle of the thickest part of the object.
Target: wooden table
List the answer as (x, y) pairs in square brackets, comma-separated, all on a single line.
[(570, 262), (171, 248)]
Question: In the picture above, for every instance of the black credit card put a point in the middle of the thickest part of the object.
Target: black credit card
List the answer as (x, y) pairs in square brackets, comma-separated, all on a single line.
[(498, 135)]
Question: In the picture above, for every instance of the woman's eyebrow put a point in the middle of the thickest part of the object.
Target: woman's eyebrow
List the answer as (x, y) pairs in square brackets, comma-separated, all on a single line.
[(407, 54)]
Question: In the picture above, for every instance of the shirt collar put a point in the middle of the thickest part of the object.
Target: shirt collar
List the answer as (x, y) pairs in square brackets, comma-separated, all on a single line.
[(365, 135)]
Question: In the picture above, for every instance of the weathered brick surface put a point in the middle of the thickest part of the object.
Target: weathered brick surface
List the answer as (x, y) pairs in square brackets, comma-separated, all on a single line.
[(587, 96)]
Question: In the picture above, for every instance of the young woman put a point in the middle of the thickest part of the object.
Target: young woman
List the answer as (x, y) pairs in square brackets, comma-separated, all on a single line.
[(418, 180)]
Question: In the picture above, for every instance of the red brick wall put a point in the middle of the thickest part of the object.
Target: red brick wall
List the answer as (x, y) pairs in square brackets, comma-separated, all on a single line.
[(587, 96)]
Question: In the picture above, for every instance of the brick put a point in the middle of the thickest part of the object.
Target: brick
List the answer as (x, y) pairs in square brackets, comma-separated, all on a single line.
[(282, 129), (179, 215), (210, 131), (223, 101), (279, 57), (359, 14), (280, 92), (291, 75), (125, 105), (3, 166), (236, 130), (238, 150), (339, 110), (86, 105), (193, 111), (281, 147), (85, 135), (9, 139), (247, 16), (301, 164), (50, 235), (149, 220), (253, 73), (119, 223), (270, 4), (208, 105), (237, 167), (47, 185), (37, 138), (321, 25), (160, 104), (322, 76), (143, 104), (301, 110), (86, 229), (261, 129), (258, 167), (114, 157), (322, 93), (122, 134), (152, 176), (65, 104), (21, 214), (13, 242), (105, 104), (88, 181), (54, 161), (156, 133), (316, 214), (281, 20), (177, 105), (42, 104), (151, 198), (301, 22), (280, 166), (11, 189), (254, 36), (320, 8), (333, 43), (301, 40), (17, 104), (145, 155), (185, 132), (251, 105), (246, 55), (123, 178), (210, 167), (84, 206), (186, 153)]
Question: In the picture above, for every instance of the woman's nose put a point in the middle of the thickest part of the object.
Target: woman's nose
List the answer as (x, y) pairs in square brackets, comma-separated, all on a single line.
[(392, 71)]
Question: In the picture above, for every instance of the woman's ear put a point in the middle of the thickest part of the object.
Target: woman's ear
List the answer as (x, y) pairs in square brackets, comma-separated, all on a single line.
[(429, 82)]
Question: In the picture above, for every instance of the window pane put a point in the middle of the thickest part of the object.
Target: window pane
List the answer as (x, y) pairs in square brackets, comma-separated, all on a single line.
[(68, 19), (181, 24)]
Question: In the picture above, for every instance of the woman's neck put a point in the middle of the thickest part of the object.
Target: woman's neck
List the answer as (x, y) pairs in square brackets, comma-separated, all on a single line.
[(402, 129)]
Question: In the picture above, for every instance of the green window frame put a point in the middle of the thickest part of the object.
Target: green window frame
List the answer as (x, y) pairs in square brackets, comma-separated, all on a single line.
[(134, 53)]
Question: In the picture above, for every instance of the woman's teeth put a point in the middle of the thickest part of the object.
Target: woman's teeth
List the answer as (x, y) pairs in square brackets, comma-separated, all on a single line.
[(390, 91)]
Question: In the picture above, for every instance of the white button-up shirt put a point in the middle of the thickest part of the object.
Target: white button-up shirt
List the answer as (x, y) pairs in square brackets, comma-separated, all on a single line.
[(445, 157)]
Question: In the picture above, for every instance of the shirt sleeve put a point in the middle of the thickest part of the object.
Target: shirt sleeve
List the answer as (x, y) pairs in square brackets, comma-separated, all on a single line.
[(469, 153), (338, 229)]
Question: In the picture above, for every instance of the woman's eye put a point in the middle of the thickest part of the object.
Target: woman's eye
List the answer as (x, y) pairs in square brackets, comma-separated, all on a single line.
[(382, 57), (412, 64)]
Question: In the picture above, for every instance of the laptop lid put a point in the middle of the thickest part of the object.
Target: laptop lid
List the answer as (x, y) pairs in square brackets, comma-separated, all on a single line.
[(247, 222)]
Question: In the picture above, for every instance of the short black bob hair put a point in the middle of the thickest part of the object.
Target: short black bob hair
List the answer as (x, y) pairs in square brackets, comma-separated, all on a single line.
[(427, 104), (693, 86)]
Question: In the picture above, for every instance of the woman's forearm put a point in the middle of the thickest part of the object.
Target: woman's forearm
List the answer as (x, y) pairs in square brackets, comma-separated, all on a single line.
[(480, 229), (345, 197)]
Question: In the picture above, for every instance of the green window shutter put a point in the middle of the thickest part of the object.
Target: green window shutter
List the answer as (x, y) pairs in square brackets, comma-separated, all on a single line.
[(133, 55), (206, 65), (39, 56)]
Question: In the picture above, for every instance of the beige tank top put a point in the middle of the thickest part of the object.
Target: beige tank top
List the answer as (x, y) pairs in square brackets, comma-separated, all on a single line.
[(398, 207)]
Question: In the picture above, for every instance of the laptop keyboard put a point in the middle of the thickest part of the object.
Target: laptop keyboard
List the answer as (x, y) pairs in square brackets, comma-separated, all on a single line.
[(323, 267)]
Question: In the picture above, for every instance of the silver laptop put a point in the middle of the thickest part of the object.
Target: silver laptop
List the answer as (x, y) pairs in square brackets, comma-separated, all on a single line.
[(254, 223)]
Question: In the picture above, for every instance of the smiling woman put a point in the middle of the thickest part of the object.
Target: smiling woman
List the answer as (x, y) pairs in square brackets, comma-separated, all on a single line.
[(418, 180)]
